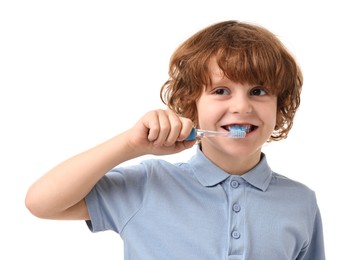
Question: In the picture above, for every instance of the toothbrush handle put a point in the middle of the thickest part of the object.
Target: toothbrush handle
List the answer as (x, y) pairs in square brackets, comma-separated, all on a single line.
[(192, 135), (199, 133)]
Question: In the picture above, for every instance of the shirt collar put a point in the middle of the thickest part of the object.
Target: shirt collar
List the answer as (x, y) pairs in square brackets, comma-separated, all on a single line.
[(208, 174)]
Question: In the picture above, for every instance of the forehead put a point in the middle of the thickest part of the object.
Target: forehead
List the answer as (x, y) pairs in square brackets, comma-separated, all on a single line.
[(215, 72), (219, 77), (223, 70)]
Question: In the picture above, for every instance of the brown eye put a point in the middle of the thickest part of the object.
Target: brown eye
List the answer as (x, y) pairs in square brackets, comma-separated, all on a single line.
[(221, 91), (258, 92)]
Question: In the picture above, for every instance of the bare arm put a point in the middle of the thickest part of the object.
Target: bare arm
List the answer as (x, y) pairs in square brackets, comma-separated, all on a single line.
[(60, 193)]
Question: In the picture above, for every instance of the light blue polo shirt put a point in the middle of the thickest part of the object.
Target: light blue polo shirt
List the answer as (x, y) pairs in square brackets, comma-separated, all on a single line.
[(196, 211)]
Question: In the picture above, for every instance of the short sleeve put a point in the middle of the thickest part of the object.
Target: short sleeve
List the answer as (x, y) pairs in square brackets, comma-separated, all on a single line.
[(116, 198), (315, 249)]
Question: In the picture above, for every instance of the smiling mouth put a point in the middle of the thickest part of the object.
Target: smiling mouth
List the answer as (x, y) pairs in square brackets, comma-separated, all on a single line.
[(248, 128)]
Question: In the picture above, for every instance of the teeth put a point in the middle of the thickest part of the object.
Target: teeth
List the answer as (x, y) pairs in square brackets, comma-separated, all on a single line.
[(245, 128)]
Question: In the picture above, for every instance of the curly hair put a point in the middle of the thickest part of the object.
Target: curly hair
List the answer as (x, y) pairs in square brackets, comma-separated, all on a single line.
[(246, 53)]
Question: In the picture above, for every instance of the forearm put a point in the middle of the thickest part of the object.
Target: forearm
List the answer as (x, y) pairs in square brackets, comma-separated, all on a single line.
[(68, 183), (60, 193)]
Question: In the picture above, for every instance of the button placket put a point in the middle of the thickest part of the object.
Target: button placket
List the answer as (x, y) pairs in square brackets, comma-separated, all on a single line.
[(236, 193)]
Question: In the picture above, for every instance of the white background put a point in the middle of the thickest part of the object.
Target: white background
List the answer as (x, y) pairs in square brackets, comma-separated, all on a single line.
[(75, 73)]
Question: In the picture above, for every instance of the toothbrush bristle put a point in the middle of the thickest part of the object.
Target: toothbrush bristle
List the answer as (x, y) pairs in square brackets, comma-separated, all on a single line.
[(237, 132)]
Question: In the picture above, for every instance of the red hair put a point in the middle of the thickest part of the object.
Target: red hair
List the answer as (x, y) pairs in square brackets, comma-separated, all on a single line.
[(245, 53)]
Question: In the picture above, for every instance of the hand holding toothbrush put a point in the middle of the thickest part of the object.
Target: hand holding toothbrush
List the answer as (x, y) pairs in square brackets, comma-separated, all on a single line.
[(160, 132)]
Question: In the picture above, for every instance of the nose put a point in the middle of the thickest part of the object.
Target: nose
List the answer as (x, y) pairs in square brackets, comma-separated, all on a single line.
[(241, 103)]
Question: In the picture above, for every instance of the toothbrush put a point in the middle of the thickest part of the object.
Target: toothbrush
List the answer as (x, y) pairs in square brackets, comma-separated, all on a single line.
[(235, 132)]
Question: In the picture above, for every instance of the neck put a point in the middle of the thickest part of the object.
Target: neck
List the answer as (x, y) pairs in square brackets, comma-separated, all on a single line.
[(235, 164)]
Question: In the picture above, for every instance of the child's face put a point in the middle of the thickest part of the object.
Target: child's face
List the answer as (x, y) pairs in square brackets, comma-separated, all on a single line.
[(226, 103)]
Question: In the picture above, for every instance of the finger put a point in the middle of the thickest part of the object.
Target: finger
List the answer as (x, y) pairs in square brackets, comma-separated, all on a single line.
[(151, 121), (175, 128), (163, 128), (186, 129)]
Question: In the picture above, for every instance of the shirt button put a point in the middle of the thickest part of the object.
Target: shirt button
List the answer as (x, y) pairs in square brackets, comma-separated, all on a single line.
[(236, 207), (235, 234), (234, 184)]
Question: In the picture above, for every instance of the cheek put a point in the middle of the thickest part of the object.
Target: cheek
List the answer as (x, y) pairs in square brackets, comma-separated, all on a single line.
[(270, 114), (205, 112), (201, 116)]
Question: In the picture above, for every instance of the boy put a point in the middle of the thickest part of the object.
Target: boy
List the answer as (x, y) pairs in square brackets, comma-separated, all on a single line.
[(225, 202)]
